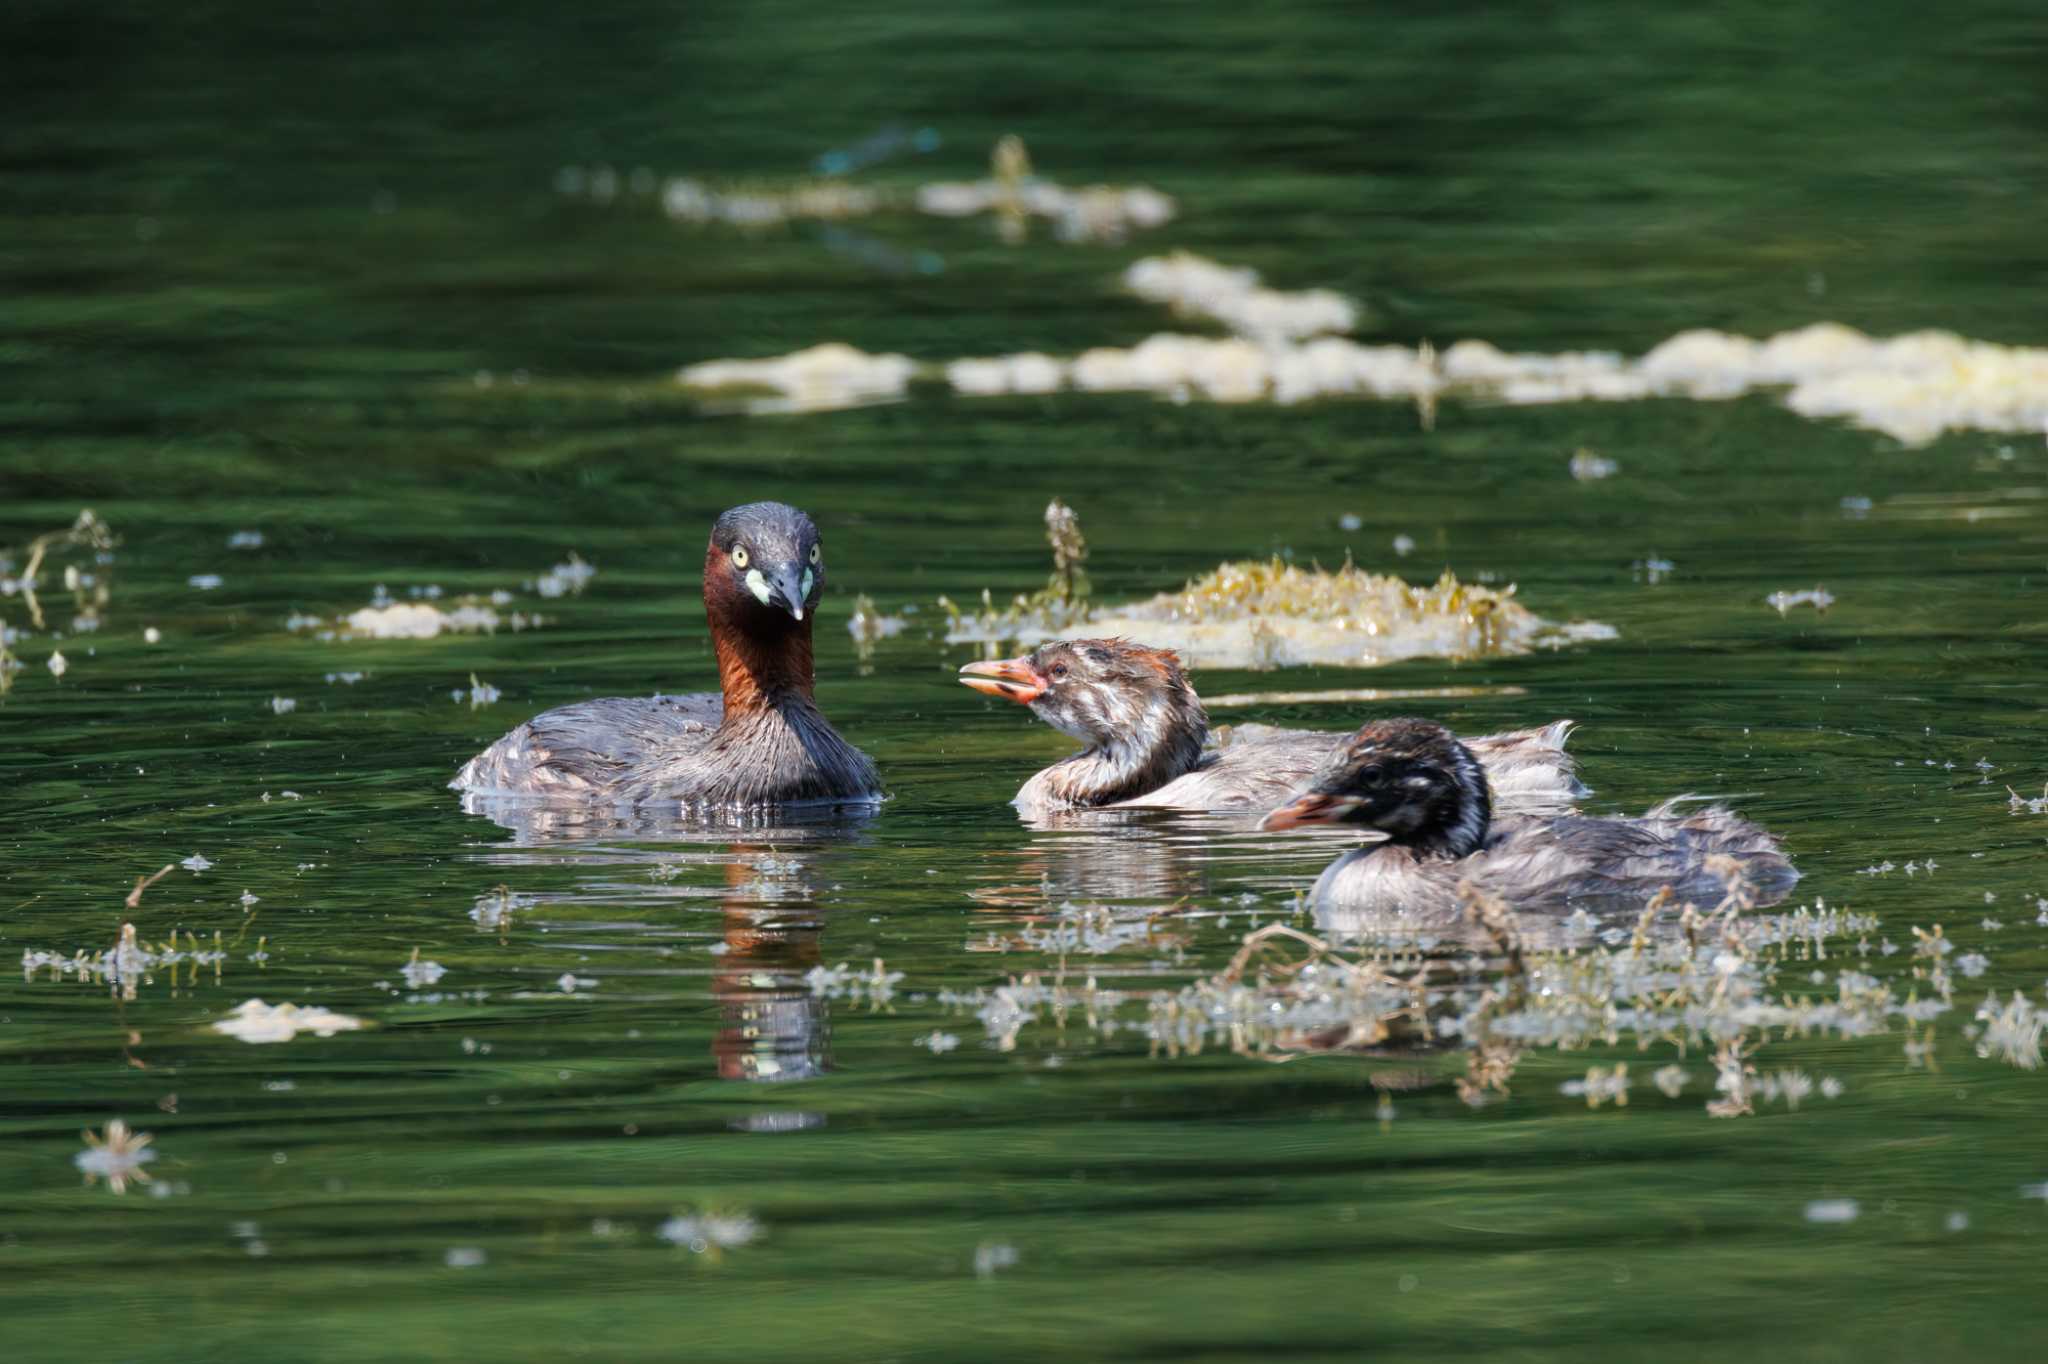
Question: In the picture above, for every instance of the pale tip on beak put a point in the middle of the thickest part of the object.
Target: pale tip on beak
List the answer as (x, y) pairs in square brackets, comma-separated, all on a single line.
[(1013, 679)]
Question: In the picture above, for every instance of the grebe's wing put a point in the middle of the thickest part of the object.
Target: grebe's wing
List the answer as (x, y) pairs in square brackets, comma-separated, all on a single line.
[(587, 746)]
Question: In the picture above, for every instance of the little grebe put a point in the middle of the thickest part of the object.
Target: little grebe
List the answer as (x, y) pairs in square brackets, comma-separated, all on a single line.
[(762, 743), (1148, 740), (1422, 797)]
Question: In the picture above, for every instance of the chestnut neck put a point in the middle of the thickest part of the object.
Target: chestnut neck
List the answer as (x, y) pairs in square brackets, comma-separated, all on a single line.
[(764, 657)]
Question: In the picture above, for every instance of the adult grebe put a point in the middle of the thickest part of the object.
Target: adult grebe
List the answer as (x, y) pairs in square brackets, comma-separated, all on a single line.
[(761, 742)]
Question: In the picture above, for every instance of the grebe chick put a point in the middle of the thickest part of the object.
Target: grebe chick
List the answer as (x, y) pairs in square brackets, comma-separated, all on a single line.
[(1422, 797), (760, 743), (1148, 738)]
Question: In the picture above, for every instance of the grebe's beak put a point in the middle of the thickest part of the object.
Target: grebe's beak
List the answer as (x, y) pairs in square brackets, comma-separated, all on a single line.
[(787, 589), (1012, 678), (1311, 807)]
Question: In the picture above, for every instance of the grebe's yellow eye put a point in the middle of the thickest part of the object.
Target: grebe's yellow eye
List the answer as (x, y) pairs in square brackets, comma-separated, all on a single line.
[(739, 556), (816, 554)]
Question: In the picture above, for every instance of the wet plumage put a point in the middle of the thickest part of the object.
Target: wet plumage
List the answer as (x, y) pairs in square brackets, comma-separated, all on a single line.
[(1423, 797), (760, 741), (1149, 742)]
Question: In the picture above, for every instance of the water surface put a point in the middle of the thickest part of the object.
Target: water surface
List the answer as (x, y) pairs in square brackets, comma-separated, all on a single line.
[(256, 267)]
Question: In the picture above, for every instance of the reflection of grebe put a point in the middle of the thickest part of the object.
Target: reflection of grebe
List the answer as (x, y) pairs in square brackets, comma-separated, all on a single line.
[(1423, 795), (1148, 740), (761, 743), (773, 1024)]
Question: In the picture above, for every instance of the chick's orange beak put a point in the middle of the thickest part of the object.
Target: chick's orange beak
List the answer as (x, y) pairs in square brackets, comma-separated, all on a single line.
[(1012, 678), (1310, 807)]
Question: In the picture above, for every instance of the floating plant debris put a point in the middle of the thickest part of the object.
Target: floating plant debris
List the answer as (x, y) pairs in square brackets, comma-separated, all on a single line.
[(116, 1155), (255, 1021), (1819, 598), (131, 962), (418, 973), (1269, 614), (564, 578), (1195, 286), (1724, 981), (1287, 347), (1092, 213), (480, 694), (820, 379), (89, 588), (874, 987), (1062, 604), (423, 620), (710, 1233), (1588, 467)]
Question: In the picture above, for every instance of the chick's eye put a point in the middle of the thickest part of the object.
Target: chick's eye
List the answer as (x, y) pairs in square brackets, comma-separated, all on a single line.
[(739, 556), (816, 554), (1059, 670), (1372, 776)]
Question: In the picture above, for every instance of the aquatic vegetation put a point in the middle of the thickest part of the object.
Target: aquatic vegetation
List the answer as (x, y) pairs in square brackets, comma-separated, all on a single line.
[(1262, 614), (89, 588), (1196, 286), (130, 963), (992, 1257), (1271, 613), (1289, 347), (1030, 372), (710, 1233), (1062, 604), (116, 1155), (479, 695), (1726, 980), (568, 578), (424, 620), (1833, 1210), (820, 379), (1587, 467), (255, 1021), (1819, 598), (875, 987), (1092, 213), (419, 973)]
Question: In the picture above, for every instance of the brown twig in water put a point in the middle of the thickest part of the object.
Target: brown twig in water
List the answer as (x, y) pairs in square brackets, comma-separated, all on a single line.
[(142, 883)]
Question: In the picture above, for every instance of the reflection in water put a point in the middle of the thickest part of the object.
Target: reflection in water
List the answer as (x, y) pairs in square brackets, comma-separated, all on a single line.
[(773, 1026), (1151, 858)]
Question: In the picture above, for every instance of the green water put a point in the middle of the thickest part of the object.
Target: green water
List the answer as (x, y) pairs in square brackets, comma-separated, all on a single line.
[(253, 262)]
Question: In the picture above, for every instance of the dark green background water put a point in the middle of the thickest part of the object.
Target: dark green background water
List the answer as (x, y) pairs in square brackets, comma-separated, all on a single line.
[(251, 259)]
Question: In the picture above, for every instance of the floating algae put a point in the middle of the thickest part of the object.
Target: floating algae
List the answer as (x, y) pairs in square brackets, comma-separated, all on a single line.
[(822, 378), (1273, 614), (1287, 347), (254, 1021), (1495, 991), (1093, 213)]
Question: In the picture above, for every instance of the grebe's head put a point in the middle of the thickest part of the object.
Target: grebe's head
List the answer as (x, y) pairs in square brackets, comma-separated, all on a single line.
[(1105, 692), (1408, 781), (766, 560)]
